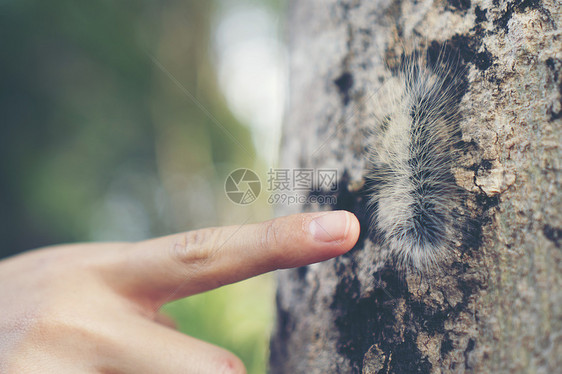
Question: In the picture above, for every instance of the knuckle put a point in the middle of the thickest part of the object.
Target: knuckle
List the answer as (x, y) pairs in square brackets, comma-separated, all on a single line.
[(270, 236), (47, 329), (50, 326), (195, 246)]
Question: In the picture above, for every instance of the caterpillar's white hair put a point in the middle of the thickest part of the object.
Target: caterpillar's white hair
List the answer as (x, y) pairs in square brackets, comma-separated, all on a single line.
[(415, 199)]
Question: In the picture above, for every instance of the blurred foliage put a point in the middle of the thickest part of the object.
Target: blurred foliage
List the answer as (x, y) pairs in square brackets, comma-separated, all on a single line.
[(100, 143)]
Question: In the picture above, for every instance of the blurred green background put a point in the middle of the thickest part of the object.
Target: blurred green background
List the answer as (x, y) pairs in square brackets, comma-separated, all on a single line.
[(121, 120)]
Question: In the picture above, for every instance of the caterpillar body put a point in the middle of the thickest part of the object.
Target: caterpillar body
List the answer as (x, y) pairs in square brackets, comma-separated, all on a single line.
[(414, 199)]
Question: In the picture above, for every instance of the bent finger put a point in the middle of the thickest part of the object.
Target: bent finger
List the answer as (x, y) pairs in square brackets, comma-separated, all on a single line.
[(149, 348)]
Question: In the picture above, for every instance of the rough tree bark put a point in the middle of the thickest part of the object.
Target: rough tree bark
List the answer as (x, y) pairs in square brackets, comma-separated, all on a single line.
[(498, 306)]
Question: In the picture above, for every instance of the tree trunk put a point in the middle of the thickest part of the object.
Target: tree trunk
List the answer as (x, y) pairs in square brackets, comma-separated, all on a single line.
[(496, 306)]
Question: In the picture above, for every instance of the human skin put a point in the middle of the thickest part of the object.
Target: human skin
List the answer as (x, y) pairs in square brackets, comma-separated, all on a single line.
[(94, 308)]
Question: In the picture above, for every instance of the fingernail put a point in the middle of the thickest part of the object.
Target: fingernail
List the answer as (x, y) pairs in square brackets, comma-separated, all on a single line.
[(330, 227)]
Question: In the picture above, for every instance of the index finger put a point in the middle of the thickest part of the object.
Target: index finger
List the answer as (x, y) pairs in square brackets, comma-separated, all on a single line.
[(184, 264)]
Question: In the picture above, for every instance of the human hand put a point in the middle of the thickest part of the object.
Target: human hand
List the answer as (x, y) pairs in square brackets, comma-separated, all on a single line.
[(93, 308)]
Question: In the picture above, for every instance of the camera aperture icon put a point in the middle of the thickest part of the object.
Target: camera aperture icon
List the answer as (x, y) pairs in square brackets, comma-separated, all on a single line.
[(242, 186)]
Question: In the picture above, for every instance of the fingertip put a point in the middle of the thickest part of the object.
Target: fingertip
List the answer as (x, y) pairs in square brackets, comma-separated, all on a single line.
[(230, 364), (339, 229), (353, 231)]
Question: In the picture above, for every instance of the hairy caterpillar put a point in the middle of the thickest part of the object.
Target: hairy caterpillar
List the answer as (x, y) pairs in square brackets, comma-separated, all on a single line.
[(414, 199)]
